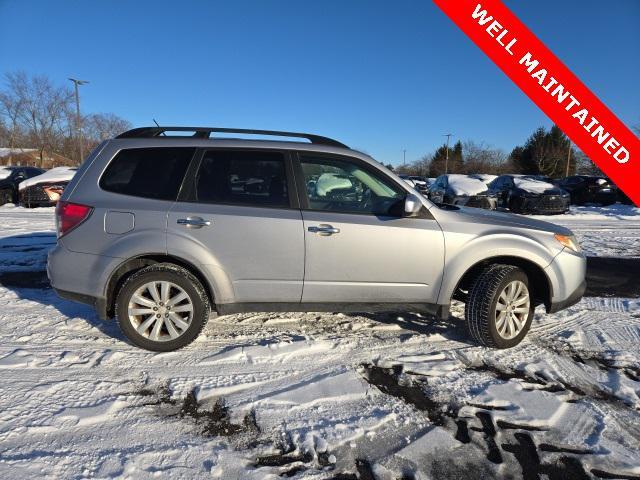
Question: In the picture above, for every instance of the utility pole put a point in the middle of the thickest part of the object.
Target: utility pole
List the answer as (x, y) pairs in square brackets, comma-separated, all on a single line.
[(568, 159), (446, 161), (78, 118), (404, 157)]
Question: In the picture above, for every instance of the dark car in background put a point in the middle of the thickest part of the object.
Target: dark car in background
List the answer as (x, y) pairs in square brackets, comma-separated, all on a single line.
[(421, 184), (529, 194), (44, 190), (462, 190), (590, 189), (10, 178)]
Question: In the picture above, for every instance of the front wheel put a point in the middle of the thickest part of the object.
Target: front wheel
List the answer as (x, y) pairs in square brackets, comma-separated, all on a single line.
[(499, 309), (162, 307), (7, 196)]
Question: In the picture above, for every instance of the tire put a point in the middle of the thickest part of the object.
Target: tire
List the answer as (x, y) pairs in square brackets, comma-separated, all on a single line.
[(7, 196), (186, 324), (514, 207), (480, 309)]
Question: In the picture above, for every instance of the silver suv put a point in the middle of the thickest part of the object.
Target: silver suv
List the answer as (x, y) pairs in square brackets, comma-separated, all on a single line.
[(163, 224)]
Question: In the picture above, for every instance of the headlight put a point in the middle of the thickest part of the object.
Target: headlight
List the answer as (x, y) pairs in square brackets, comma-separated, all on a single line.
[(568, 241)]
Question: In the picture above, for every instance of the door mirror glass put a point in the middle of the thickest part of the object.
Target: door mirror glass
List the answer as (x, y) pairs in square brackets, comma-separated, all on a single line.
[(412, 205)]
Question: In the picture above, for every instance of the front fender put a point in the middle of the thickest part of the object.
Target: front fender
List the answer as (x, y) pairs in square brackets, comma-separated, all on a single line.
[(463, 253)]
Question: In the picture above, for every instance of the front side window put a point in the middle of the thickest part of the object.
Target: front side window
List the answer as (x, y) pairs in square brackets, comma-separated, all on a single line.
[(236, 177), (337, 185), (147, 172)]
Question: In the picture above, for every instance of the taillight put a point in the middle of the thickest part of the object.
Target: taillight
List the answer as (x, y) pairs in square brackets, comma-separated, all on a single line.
[(70, 215)]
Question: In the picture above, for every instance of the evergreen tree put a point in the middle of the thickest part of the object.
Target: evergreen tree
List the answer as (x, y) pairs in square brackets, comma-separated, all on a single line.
[(544, 153), (456, 162), (437, 166)]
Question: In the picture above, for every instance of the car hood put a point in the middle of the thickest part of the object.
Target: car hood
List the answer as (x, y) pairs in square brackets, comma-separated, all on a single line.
[(491, 217)]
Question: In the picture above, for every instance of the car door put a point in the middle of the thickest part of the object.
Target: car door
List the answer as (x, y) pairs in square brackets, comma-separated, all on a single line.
[(359, 246), (238, 210)]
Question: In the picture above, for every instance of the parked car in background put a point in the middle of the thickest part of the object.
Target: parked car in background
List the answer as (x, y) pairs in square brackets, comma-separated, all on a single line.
[(463, 190), (623, 198), (589, 189), (529, 194), (10, 178), (44, 190), (421, 184)]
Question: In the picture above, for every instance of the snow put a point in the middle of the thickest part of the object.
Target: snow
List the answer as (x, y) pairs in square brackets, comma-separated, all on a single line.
[(315, 395), (487, 178), (4, 173), (466, 185), (532, 185), (5, 151), (57, 174)]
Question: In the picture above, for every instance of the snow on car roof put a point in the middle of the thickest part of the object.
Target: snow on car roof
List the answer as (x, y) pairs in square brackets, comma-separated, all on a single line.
[(485, 177), (531, 184), (58, 174), (5, 172), (465, 185)]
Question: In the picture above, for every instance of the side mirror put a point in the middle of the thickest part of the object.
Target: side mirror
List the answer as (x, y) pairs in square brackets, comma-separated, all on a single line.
[(412, 205)]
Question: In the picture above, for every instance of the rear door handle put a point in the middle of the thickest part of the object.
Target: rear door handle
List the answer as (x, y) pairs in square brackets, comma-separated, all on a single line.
[(324, 229), (194, 222)]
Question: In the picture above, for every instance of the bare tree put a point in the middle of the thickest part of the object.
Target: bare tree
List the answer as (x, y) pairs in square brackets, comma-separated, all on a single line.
[(36, 113), (10, 108), (101, 126), (480, 157), (42, 109)]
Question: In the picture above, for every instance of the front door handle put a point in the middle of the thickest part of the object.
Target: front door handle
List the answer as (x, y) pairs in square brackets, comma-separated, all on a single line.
[(194, 222), (324, 229)]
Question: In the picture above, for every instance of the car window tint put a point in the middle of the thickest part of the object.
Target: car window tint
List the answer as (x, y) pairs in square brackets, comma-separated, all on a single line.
[(338, 185), (242, 178), (147, 172)]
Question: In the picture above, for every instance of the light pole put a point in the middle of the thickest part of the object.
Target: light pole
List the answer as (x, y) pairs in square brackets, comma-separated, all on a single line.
[(446, 160), (78, 118), (568, 159), (404, 158)]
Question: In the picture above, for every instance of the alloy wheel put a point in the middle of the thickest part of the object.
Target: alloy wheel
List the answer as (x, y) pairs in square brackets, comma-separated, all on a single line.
[(160, 311), (512, 309)]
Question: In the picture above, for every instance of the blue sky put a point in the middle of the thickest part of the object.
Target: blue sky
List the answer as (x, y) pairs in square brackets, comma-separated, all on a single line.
[(379, 76)]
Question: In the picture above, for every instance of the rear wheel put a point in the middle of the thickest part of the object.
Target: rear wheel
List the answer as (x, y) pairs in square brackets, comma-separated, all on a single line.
[(499, 309), (162, 307)]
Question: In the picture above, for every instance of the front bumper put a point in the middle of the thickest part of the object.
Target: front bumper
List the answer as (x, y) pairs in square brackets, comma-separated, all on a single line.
[(545, 204), (567, 273), (477, 201), (574, 298)]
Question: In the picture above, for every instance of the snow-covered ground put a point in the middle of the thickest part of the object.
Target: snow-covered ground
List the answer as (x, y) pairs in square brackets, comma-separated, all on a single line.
[(316, 395)]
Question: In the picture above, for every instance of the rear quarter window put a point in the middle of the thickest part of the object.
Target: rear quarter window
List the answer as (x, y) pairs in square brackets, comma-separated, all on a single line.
[(147, 172)]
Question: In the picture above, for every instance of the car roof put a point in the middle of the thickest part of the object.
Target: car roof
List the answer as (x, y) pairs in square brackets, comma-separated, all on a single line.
[(238, 143)]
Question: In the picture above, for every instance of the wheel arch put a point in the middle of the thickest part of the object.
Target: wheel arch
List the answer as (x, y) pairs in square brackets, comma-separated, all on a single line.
[(538, 278), (133, 264)]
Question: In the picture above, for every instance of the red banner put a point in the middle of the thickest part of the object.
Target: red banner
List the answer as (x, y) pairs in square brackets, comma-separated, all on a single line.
[(552, 87)]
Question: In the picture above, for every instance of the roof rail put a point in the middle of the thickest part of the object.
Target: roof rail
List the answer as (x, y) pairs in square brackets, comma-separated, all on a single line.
[(205, 132)]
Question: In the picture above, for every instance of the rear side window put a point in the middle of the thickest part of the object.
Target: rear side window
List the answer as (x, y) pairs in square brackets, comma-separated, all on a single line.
[(147, 172), (236, 177)]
